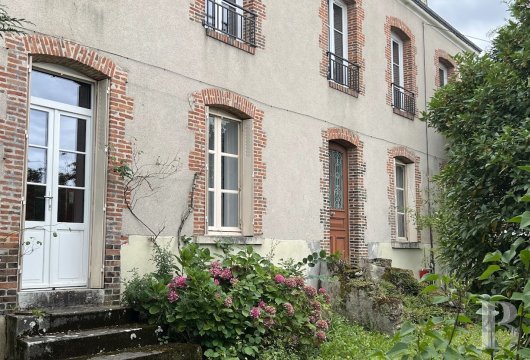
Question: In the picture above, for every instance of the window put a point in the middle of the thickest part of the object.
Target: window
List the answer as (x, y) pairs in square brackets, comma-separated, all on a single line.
[(401, 200), (340, 70), (230, 18), (402, 99), (224, 135), (442, 73)]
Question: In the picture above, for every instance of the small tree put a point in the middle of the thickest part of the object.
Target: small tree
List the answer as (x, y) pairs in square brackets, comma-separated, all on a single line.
[(485, 118)]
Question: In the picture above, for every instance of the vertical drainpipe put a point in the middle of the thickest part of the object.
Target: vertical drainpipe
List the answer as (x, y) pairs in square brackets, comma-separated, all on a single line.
[(431, 241)]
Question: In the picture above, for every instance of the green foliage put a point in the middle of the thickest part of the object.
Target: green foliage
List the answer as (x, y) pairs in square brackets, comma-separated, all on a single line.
[(403, 280), (485, 117), (234, 305), (10, 24)]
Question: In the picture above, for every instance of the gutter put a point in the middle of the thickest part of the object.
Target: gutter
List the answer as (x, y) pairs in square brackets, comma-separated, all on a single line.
[(449, 27)]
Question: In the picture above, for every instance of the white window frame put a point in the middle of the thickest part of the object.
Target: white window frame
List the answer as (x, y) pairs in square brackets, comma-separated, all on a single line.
[(394, 38), (445, 71), (218, 229), (331, 26), (405, 198)]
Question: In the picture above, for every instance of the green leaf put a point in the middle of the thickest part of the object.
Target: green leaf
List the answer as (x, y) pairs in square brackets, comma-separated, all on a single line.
[(153, 310), (525, 220), (323, 253), (429, 289), (525, 353), (430, 277), (439, 299), (492, 257), (489, 271), (398, 350), (524, 255)]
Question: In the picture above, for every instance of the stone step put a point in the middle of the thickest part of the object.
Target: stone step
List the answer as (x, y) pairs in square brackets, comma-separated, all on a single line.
[(67, 319), (155, 352), (86, 342)]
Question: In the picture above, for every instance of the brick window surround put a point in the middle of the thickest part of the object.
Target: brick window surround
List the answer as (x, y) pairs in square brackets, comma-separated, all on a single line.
[(410, 70), (356, 191), (197, 13), (408, 157), (442, 57), (14, 87), (356, 41), (244, 110)]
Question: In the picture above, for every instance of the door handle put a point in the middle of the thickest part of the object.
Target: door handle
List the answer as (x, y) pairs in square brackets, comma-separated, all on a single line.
[(47, 197)]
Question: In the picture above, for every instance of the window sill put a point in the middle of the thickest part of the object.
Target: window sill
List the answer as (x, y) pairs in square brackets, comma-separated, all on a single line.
[(230, 41), (343, 89), (232, 239), (403, 113), (406, 244)]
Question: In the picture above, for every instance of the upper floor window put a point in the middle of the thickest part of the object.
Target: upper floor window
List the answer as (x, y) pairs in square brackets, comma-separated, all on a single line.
[(231, 18), (403, 100), (340, 69), (446, 69), (443, 74), (224, 134)]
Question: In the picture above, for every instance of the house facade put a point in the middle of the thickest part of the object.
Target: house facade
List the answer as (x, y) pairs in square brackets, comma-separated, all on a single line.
[(294, 125)]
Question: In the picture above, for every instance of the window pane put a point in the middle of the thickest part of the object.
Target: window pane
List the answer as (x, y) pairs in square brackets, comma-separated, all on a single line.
[(400, 200), (211, 133), (36, 165), (395, 53), (38, 128), (400, 176), (230, 136), (230, 210), (396, 75), (401, 225), (73, 134), (211, 207), (71, 205), (337, 181), (339, 48), (211, 170), (229, 173), (60, 89), (35, 202), (337, 17), (442, 77), (71, 169)]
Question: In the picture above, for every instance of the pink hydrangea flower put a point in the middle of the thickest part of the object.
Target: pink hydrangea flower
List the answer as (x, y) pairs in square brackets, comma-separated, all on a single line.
[(327, 298), (228, 302), (316, 305), (178, 282), (290, 282), (289, 308), (226, 274), (313, 319), (321, 335), (321, 291), (299, 281), (234, 281), (255, 312), (216, 282), (262, 304), (172, 296), (310, 291), (270, 310), (322, 324), (279, 278)]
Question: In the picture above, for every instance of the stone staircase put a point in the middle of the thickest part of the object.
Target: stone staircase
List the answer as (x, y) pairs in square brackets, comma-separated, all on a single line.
[(89, 333)]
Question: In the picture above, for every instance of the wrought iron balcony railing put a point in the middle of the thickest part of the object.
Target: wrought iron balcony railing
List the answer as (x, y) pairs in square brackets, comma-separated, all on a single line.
[(232, 20), (343, 72), (403, 100)]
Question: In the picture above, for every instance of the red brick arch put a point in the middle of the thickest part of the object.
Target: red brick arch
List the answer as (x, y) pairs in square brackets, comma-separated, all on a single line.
[(244, 109), (444, 58), (14, 83), (356, 190)]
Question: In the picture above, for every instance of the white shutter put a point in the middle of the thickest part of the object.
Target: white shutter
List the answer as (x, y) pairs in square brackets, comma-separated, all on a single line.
[(247, 179)]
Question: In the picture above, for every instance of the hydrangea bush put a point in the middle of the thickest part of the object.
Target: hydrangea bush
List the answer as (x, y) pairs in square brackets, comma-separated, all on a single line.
[(233, 305)]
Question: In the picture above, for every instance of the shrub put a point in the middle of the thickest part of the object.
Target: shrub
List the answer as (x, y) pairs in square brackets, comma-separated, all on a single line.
[(234, 305)]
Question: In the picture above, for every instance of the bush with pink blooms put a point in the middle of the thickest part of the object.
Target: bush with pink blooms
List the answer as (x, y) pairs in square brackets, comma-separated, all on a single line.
[(234, 305)]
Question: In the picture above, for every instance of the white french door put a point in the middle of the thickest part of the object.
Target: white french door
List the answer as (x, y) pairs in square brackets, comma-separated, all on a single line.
[(56, 228)]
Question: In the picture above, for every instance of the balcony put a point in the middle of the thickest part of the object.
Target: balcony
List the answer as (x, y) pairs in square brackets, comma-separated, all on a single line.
[(343, 72), (403, 101), (232, 20)]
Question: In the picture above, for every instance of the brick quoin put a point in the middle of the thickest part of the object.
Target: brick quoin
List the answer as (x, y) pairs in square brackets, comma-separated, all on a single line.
[(244, 109), (356, 42), (356, 191), (410, 69), (442, 57), (409, 157), (14, 83), (197, 13)]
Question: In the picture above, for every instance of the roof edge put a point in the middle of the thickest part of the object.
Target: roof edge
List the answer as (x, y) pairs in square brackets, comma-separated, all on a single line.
[(449, 27)]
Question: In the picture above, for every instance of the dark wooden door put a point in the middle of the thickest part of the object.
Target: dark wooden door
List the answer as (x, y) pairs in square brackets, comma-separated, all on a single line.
[(338, 198)]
